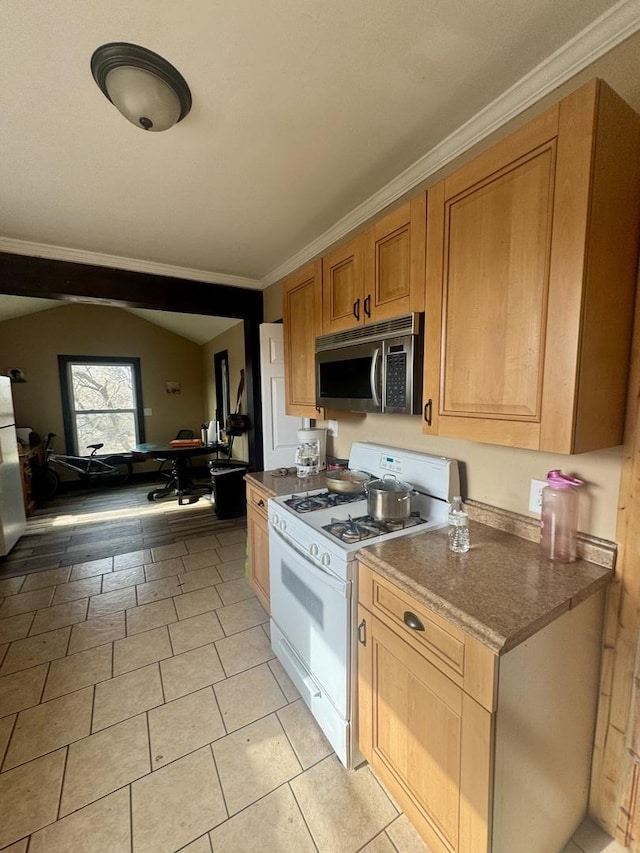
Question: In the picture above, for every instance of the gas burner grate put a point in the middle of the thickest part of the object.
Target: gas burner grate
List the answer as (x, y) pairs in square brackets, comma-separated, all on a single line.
[(366, 527), (322, 500)]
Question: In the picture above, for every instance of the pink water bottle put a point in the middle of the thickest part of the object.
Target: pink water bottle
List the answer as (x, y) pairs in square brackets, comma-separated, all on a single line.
[(560, 517)]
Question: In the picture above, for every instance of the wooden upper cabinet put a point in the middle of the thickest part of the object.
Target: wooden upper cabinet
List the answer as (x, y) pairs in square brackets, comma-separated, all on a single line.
[(531, 272), (302, 318), (379, 274)]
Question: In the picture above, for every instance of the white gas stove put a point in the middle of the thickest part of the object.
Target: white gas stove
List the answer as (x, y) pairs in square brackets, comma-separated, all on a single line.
[(314, 538)]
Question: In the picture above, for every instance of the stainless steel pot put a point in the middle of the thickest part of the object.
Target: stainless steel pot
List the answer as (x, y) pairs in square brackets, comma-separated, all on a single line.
[(389, 499)]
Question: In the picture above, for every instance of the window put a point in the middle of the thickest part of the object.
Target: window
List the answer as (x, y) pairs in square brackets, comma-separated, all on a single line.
[(102, 402)]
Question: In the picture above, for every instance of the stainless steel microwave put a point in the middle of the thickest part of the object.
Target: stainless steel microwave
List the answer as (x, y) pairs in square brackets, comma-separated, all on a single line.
[(373, 368)]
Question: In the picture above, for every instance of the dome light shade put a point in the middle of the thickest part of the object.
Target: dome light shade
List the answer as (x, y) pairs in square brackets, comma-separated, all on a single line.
[(144, 87)]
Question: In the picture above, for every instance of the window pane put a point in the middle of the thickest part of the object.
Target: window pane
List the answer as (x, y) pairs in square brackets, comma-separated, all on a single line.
[(117, 430), (102, 386)]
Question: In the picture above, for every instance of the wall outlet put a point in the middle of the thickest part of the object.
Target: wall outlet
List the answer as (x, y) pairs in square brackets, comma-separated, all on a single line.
[(148, 413), (535, 495), (332, 427)]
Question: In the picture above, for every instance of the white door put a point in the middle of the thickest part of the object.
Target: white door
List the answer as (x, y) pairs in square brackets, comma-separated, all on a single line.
[(279, 431)]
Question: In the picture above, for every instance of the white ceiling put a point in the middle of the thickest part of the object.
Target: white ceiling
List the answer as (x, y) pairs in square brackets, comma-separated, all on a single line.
[(307, 118)]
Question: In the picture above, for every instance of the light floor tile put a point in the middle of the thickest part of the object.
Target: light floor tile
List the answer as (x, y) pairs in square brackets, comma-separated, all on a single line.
[(163, 569), (167, 552), (122, 579), (104, 762), (380, 844), (184, 725), (404, 837), (199, 601), (104, 825), (49, 726), (59, 616), (52, 577), (262, 746), (97, 632), (200, 845), (199, 578), (200, 559), (189, 788), (231, 570), (243, 615), (18, 847), (77, 589), (591, 839), (34, 650), (151, 616), (236, 590), (158, 589), (78, 670), (231, 537), (6, 728), (196, 631), (11, 586), (91, 568), (15, 627), (244, 650), (25, 601), (248, 696), (131, 559), (190, 671), (127, 695), (29, 796), (274, 824), (286, 685), (21, 689), (343, 809), (110, 602), (202, 543), (307, 739), (232, 552), (140, 650)]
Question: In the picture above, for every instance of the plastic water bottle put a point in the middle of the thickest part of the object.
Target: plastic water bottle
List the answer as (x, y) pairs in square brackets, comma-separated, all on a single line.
[(458, 527), (560, 517)]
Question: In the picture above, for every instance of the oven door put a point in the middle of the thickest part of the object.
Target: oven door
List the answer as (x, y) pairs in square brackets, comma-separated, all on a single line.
[(350, 378), (312, 610)]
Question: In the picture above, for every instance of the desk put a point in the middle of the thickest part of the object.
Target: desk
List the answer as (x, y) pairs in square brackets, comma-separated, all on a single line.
[(179, 485)]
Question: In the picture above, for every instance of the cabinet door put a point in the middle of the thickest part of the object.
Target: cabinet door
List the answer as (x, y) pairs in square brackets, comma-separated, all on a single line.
[(427, 741), (342, 286), (395, 263), (301, 295), (258, 546)]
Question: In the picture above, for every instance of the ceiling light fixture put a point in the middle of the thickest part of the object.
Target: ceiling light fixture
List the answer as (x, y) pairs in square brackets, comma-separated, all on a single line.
[(143, 86)]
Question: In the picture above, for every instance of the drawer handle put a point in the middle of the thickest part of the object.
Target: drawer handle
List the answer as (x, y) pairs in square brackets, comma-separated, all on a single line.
[(260, 502), (412, 621)]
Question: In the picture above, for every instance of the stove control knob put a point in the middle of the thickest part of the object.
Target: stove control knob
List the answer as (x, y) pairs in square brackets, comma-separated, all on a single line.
[(326, 559), (314, 550), (282, 525), (274, 520)]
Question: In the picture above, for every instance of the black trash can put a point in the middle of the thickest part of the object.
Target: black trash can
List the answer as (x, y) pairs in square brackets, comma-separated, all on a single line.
[(229, 491)]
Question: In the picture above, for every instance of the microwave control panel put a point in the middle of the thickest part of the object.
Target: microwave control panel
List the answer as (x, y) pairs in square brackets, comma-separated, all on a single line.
[(396, 380)]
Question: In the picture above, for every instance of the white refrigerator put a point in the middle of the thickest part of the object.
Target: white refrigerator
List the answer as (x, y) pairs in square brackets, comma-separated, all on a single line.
[(13, 521)]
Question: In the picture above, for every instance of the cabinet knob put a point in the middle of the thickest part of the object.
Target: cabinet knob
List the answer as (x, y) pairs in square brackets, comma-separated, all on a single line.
[(427, 411), (260, 502), (412, 621), (356, 309)]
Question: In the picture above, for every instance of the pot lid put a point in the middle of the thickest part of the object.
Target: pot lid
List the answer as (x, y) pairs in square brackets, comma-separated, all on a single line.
[(389, 484)]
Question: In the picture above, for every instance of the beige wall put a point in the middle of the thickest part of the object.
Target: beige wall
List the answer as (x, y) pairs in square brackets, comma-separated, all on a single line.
[(33, 342), (233, 341)]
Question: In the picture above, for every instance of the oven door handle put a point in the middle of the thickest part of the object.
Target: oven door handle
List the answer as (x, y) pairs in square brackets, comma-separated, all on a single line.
[(374, 377), (309, 566)]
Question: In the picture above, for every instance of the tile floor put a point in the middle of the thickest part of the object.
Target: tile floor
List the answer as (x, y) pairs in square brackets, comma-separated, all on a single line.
[(142, 709)]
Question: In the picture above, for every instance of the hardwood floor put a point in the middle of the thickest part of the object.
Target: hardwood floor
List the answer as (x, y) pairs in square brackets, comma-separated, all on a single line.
[(78, 526)]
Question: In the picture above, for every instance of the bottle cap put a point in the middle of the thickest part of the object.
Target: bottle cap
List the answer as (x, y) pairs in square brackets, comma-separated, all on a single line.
[(558, 480)]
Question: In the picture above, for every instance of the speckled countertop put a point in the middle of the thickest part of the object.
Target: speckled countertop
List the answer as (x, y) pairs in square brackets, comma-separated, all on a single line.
[(274, 484), (500, 592)]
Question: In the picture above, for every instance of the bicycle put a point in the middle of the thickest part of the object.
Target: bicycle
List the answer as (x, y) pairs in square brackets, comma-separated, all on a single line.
[(112, 470)]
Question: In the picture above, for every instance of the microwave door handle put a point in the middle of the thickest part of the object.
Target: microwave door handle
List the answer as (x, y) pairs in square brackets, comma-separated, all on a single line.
[(374, 375)]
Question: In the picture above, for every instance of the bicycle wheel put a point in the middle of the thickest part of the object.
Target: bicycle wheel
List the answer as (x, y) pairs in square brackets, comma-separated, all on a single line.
[(45, 484), (120, 473)]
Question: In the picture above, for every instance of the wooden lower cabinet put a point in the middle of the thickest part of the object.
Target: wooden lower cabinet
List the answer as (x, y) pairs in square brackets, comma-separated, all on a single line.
[(258, 543), (511, 776)]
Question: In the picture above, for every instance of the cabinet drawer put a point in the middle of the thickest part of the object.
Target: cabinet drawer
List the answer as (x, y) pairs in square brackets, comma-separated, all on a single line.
[(439, 641), (257, 499)]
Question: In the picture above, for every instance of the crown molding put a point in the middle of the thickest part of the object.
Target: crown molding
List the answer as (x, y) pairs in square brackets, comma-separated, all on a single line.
[(98, 259), (601, 36)]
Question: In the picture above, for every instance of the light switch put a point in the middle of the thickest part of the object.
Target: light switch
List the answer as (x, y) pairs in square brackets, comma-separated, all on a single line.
[(148, 413), (333, 428)]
